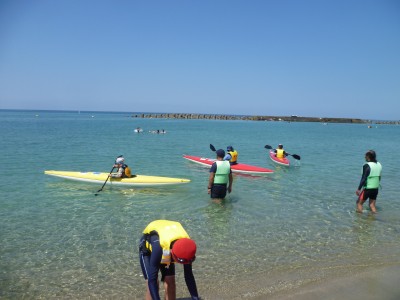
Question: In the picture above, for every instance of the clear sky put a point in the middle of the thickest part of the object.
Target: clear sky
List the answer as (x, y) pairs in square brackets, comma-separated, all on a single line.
[(316, 58)]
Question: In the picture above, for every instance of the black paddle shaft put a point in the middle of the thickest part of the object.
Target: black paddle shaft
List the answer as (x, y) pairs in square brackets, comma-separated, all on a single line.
[(105, 182)]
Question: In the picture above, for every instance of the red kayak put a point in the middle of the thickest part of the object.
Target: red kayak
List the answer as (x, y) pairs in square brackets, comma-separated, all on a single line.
[(239, 168), (281, 161)]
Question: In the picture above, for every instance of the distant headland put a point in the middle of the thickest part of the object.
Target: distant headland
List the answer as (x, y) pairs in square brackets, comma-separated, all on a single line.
[(292, 118)]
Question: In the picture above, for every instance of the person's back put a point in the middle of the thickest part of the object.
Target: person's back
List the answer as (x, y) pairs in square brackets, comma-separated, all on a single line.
[(280, 152), (231, 155), (220, 179), (163, 245)]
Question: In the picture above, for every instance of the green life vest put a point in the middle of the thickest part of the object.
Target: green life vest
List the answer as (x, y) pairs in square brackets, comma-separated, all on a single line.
[(222, 172), (374, 175)]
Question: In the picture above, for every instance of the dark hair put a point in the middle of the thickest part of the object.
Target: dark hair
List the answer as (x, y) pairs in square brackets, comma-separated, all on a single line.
[(371, 155)]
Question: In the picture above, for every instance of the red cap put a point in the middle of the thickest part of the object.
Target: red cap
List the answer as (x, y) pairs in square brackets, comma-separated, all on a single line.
[(184, 251)]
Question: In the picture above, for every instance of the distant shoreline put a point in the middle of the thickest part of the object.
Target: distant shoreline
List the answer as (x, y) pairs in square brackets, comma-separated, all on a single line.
[(196, 116), (257, 118)]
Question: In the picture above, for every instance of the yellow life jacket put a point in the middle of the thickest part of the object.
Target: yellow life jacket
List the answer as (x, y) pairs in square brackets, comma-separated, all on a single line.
[(279, 153), (128, 172), (167, 231), (234, 156)]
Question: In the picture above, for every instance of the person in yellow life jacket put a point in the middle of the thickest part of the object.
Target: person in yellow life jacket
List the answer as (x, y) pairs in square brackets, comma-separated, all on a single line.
[(163, 244), (369, 183), (123, 171), (231, 155), (280, 152), (220, 179)]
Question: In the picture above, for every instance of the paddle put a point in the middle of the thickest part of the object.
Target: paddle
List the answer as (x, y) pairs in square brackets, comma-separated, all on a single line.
[(104, 182), (212, 147), (295, 156)]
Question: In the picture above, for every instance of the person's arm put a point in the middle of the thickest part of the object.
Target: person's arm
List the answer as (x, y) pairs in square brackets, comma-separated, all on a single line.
[(111, 174), (380, 175), (115, 175), (228, 157), (365, 174), (190, 281), (152, 272), (119, 172), (230, 182), (213, 170)]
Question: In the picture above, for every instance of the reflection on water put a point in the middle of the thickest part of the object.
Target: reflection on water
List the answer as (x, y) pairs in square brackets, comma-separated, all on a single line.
[(272, 233)]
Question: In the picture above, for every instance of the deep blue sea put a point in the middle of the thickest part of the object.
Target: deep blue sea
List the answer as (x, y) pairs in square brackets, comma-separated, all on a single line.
[(272, 233)]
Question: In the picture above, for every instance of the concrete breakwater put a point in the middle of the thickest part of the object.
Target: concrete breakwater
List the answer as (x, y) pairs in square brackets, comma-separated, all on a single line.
[(248, 118)]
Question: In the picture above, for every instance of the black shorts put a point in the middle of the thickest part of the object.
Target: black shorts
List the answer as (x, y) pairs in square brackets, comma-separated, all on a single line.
[(149, 263), (218, 191), (370, 193)]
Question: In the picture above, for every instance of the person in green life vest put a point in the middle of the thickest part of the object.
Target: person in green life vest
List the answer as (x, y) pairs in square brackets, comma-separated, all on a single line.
[(220, 180), (369, 183)]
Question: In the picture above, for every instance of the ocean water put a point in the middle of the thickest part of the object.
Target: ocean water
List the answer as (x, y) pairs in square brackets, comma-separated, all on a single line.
[(273, 233)]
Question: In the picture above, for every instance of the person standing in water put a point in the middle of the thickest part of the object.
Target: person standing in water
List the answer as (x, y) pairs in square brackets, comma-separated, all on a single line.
[(220, 179), (369, 183)]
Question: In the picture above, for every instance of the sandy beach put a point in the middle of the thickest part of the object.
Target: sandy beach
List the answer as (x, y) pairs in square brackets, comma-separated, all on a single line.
[(369, 283), (381, 283)]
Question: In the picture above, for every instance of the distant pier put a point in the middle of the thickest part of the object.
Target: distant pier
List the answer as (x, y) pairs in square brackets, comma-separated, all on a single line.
[(256, 118)]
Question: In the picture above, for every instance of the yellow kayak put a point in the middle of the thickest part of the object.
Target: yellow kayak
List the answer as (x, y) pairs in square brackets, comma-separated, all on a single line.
[(100, 178)]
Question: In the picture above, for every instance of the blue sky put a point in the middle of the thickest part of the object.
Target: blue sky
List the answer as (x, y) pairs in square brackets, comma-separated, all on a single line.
[(317, 58)]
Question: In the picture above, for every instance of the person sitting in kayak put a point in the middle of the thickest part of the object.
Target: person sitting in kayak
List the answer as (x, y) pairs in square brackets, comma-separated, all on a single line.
[(231, 155), (280, 152), (123, 170)]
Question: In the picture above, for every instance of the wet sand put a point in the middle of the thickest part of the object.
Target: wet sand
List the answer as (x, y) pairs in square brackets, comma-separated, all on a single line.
[(380, 282)]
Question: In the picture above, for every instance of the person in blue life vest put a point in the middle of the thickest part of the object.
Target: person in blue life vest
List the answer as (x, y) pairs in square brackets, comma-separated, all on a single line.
[(280, 152), (369, 183), (220, 180), (123, 171), (231, 155), (164, 244)]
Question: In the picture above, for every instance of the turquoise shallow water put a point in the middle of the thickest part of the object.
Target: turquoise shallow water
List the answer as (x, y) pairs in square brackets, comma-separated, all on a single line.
[(273, 233)]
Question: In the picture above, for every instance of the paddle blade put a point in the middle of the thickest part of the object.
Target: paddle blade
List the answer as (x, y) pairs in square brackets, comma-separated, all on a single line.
[(212, 147), (295, 156), (267, 147)]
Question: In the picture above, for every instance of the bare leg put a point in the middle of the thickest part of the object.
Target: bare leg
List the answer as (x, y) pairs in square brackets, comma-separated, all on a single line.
[(360, 205), (170, 287), (148, 296), (372, 205)]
